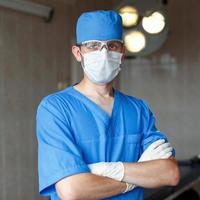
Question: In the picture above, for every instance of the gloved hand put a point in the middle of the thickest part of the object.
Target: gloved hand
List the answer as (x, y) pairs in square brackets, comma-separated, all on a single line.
[(157, 150), (114, 170)]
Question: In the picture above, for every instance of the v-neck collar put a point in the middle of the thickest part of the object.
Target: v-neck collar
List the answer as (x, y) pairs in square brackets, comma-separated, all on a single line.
[(85, 99)]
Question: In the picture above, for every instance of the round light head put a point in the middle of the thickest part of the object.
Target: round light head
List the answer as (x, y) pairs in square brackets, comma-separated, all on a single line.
[(154, 24), (129, 16), (135, 41)]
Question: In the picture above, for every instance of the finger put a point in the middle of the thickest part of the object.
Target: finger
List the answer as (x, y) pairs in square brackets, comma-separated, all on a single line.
[(156, 144), (162, 147), (167, 150), (158, 155), (162, 153), (167, 155)]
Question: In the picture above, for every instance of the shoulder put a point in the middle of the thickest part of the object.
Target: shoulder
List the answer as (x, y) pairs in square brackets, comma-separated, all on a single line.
[(139, 102), (136, 103), (56, 100)]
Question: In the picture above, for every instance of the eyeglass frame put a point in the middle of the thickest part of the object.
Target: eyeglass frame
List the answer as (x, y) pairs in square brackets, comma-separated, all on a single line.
[(103, 43)]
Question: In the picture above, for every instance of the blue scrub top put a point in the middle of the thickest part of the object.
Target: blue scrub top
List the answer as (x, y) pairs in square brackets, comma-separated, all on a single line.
[(73, 131)]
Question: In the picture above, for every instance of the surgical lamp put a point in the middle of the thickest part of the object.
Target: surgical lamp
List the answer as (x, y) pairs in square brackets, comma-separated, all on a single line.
[(135, 41), (145, 25), (154, 23), (129, 16)]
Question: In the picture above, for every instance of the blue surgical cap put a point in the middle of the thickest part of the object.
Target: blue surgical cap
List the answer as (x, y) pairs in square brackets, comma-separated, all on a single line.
[(99, 25)]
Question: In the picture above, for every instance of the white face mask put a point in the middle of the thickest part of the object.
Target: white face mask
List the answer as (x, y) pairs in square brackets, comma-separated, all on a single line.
[(103, 66)]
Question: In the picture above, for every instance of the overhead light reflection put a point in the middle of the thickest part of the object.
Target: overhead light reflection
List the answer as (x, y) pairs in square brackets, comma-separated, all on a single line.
[(154, 24), (135, 41), (129, 16)]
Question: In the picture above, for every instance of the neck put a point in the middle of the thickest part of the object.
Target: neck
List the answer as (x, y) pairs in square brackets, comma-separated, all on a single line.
[(92, 89)]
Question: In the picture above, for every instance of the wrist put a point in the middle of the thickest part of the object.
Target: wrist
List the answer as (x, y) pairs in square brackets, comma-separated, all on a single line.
[(115, 170), (129, 187)]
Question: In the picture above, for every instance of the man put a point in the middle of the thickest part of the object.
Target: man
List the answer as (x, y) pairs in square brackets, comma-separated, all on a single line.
[(95, 142)]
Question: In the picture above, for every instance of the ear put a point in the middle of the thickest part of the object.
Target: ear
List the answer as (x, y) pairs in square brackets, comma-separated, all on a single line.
[(76, 53)]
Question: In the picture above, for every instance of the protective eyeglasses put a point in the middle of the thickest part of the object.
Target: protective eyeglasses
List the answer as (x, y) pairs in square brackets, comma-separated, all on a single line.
[(110, 45)]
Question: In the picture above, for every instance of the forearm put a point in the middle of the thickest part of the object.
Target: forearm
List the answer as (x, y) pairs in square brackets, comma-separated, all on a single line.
[(87, 186), (152, 174)]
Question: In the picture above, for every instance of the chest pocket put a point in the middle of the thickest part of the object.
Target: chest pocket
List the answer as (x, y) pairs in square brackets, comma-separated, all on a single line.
[(124, 148)]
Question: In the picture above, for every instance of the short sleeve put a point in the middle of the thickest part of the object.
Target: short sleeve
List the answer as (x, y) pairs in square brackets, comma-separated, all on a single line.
[(150, 131), (58, 154)]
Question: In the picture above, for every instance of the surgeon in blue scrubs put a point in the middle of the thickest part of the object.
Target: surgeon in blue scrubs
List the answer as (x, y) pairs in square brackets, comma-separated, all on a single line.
[(95, 142)]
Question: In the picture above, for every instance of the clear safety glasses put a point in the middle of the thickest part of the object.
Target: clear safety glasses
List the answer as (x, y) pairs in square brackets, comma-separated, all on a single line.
[(110, 45)]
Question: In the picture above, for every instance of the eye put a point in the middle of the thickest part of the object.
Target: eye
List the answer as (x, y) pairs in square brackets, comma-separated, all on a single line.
[(115, 46), (112, 46), (92, 45)]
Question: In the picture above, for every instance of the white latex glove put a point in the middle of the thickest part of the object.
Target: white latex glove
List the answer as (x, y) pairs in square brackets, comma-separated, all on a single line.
[(129, 187), (114, 170), (157, 150)]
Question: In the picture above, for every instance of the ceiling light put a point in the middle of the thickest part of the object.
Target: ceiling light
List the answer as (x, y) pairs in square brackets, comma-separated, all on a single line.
[(153, 24), (135, 41), (129, 16)]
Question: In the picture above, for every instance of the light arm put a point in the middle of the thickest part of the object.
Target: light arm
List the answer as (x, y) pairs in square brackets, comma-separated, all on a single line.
[(152, 174), (86, 186)]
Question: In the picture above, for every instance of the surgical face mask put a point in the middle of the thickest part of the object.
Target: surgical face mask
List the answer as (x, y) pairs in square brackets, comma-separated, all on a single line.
[(102, 66)]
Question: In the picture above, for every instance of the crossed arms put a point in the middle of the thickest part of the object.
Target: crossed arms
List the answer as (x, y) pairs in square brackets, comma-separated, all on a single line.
[(155, 168)]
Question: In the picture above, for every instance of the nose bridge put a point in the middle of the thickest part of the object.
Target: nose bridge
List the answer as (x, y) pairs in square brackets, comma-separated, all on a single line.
[(104, 44)]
